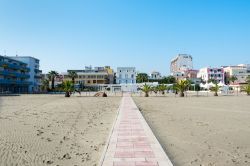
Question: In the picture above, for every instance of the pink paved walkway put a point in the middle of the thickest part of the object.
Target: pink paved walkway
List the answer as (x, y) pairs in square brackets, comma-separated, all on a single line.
[(132, 142)]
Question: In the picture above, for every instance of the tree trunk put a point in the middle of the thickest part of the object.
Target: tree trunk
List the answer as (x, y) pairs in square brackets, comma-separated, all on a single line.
[(182, 94), (146, 94), (215, 94), (67, 94), (52, 83)]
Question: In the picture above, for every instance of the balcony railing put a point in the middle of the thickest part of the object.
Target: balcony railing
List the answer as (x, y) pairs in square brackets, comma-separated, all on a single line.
[(13, 66), (17, 82), (38, 76), (15, 74)]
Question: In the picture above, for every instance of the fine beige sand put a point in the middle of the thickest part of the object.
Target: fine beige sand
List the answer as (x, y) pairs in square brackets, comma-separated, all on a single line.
[(201, 131), (38, 130)]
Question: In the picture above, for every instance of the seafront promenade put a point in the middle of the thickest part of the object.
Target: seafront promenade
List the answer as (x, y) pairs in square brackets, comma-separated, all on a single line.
[(131, 142)]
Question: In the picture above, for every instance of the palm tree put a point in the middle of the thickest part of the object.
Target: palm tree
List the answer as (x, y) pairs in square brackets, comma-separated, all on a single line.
[(67, 88), (215, 89), (52, 75), (182, 86), (146, 89), (72, 75), (162, 88), (154, 89), (246, 89), (45, 84)]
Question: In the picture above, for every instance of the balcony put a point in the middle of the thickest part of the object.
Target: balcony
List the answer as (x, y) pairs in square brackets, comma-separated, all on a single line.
[(37, 71), (15, 74), (38, 76), (13, 66), (16, 82)]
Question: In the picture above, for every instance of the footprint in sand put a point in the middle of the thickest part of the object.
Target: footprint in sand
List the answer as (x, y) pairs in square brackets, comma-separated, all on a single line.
[(40, 132), (49, 139)]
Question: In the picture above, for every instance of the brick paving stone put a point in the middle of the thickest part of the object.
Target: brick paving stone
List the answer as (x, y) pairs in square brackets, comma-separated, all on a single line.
[(132, 142)]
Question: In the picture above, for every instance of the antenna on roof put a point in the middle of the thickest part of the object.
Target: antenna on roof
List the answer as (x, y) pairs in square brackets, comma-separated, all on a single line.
[(4, 52), (16, 54)]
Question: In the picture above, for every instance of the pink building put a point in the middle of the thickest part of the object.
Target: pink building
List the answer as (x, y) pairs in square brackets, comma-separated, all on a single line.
[(208, 73)]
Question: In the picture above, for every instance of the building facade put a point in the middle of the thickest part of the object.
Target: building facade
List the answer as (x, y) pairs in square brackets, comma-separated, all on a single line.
[(181, 63), (155, 76), (14, 76), (126, 75), (92, 76), (192, 76), (208, 73), (241, 72), (35, 73)]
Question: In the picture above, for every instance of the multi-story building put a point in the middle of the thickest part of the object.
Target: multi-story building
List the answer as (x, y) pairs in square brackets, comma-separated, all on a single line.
[(181, 63), (126, 75), (208, 73), (92, 76), (241, 72), (14, 76), (192, 76), (155, 75), (34, 72)]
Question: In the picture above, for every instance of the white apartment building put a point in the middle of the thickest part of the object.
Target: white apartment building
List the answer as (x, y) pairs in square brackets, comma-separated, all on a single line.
[(181, 63), (155, 75), (126, 75), (35, 73), (241, 72), (208, 73)]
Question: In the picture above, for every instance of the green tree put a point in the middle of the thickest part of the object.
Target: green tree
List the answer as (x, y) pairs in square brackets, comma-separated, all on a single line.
[(142, 77), (215, 89), (212, 80), (72, 75), (52, 75), (161, 88), (168, 80), (246, 89), (181, 87), (146, 89), (45, 85), (67, 88)]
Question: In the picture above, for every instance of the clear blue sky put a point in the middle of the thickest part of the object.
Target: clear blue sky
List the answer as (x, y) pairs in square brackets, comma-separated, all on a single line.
[(143, 33)]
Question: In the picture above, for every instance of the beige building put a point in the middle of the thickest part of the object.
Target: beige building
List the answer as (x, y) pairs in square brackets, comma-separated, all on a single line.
[(92, 76), (181, 63), (241, 72)]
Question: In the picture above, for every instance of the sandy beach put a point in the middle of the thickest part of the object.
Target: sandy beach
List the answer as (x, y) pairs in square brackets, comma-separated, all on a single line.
[(53, 130), (201, 131)]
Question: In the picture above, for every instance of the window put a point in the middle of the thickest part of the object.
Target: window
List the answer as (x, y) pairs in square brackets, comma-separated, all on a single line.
[(132, 75), (94, 81)]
